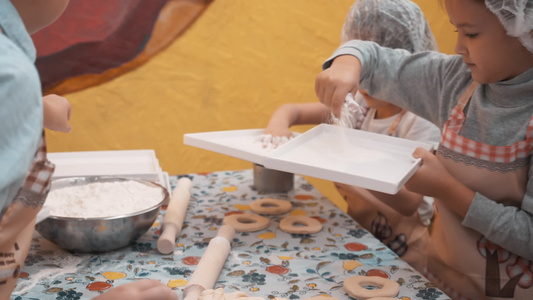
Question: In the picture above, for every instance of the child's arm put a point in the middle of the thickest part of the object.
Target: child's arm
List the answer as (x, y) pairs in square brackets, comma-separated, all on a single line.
[(147, 289), (432, 179), (508, 226), (436, 78), (404, 202), (424, 83), (291, 114), (56, 111)]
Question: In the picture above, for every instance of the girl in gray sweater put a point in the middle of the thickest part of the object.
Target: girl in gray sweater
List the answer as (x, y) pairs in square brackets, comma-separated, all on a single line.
[(482, 99)]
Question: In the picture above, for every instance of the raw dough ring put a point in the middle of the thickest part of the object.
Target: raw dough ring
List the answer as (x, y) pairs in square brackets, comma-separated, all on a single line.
[(270, 206), (355, 287), (246, 222), (288, 224)]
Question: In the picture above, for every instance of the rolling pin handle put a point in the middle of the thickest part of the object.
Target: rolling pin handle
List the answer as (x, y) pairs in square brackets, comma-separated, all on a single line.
[(174, 216), (167, 240), (226, 232)]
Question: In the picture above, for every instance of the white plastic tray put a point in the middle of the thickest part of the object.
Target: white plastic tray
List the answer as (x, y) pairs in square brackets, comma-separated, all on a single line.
[(369, 160), (241, 144), (139, 164)]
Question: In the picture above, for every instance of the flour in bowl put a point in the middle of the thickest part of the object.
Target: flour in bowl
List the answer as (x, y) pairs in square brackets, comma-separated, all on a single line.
[(103, 199)]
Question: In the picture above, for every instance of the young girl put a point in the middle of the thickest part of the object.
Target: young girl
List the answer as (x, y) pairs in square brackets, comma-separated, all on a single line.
[(482, 240), (402, 227)]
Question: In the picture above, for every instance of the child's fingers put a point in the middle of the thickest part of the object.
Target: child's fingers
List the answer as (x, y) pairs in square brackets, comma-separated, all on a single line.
[(272, 141), (335, 103), (158, 293), (325, 88), (339, 98), (142, 285), (148, 289), (421, 153), (265, 140), (320, 90)]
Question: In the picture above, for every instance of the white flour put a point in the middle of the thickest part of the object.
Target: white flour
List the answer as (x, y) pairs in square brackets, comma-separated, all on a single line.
[(66, 264), (102, 199), (351, 115)]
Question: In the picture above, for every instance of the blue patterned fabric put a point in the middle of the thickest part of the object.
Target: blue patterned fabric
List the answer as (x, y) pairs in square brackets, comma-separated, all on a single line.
[(265, 263)]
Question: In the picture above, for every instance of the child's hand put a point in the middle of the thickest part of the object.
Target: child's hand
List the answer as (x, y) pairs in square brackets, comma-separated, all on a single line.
[(272, 141), (140, 290), (334, 83), (56, 113), (434, 180), (278, 131), (282, 131)]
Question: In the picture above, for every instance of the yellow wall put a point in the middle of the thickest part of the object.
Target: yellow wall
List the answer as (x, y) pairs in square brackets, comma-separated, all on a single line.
[(230, 70)]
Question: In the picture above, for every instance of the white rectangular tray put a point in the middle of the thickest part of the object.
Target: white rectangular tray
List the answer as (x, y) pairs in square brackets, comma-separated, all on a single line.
[(141, 164), (374, 161), (241, 144), (369, 160)]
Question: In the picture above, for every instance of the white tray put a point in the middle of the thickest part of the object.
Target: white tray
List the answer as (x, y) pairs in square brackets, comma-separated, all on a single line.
[(139, 164), (369, 160), (241, 144)]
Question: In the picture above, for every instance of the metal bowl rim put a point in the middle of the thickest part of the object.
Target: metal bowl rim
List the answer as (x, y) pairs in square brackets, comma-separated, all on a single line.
[(113, 178)]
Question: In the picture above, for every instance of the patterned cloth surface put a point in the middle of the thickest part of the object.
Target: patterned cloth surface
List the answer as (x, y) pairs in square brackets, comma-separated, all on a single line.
[(265, 263)]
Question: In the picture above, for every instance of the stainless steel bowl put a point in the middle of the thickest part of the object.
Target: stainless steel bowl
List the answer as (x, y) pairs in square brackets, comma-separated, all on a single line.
[(99, 234)]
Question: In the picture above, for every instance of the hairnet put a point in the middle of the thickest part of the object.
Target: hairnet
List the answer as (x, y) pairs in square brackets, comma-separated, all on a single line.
[(390, 23), (516, 17)]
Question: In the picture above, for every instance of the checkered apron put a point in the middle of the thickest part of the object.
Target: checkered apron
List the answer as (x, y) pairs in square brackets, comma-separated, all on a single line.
[(460, 257), (17, 224)]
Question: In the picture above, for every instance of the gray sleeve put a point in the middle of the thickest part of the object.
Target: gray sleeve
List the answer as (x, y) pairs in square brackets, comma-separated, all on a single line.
[(429, 84), (505, 225), (404, 79)]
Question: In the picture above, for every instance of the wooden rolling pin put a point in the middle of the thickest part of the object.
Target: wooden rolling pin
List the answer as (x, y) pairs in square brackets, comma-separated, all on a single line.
[(174, 216), (210, 265)]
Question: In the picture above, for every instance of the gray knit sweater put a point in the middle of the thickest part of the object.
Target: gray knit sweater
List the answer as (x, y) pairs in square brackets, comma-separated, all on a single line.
[(497, 114)]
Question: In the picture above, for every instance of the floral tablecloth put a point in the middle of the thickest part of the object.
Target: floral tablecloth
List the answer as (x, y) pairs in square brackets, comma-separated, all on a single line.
[(265, 264)]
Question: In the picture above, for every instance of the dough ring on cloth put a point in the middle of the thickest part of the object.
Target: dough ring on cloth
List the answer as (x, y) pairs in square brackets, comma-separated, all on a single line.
[(270, 206), (355, 287), (291, 224), (247, 222)]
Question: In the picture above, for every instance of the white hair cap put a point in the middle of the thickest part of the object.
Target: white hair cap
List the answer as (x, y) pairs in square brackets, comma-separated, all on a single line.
[(389, 23), (516, 17)]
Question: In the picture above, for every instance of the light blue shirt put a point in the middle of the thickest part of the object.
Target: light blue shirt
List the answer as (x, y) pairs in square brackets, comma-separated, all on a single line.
[(21, 110)]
